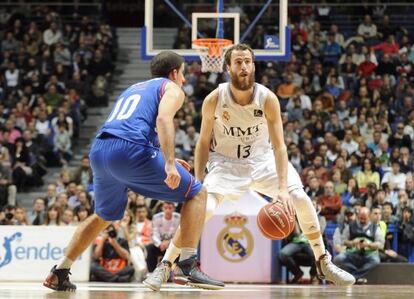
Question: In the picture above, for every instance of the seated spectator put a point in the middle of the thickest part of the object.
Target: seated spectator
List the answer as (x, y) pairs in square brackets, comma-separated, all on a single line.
[(143, 230), (20, 216), (363, 239), (51, 195), (367, 29), (37, 215), (399, 139), (52, 216), (62, 145), (7, 189), (314, 189), (367, 175), (387, 214), (405, 232), (68, 217), (351, 194), (387, 255), (348, 143), (339, 185), (9, 215), (164, 225), (83, 175), (394, 178), (111, 255), (320, 171), (297, 252), (338, 243), (330, 202), (331, 50), (81, 213), (286, 89)]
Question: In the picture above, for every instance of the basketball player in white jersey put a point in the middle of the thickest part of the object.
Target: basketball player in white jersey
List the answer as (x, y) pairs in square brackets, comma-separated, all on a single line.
[(241, 143)]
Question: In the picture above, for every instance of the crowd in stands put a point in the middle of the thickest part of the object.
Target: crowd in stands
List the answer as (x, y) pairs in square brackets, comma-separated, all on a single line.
[(347, 109)]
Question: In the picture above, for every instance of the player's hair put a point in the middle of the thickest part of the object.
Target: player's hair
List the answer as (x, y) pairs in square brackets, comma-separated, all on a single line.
[(237, 47), (164, 63)]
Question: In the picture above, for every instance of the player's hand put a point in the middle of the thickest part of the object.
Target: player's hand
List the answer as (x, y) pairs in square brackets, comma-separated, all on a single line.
[(184, 164), (284, 197), (173, 177)]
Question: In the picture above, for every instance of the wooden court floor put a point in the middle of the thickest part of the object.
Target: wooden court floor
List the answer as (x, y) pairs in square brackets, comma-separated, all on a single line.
[(233, 291)]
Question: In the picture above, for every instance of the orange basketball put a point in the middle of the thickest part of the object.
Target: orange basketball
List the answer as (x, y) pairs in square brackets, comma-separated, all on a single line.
[(275, 222)]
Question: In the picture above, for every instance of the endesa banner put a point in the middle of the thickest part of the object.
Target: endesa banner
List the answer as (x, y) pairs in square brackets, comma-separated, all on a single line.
[(27, 253)]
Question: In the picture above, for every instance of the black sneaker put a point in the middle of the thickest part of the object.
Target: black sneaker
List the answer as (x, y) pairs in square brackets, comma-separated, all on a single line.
[(187, 272), (58, 280)]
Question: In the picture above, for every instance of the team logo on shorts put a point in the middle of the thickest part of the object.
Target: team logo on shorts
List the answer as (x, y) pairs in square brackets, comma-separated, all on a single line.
[(235, 242), (226, 115)]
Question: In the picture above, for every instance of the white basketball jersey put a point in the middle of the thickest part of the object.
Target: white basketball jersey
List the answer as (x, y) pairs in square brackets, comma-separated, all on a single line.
[(240, 132)]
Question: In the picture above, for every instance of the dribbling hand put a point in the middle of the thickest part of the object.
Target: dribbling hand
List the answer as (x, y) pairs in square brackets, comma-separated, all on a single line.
[(284, 197), (173, 177)]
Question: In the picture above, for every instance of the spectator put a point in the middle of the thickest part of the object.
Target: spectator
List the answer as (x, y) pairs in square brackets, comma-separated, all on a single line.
[(387, 214), (52, 216), (20, 216), (330, 202), (367, 29), (164, 225), (83, 175), (63, 145), (9, 215), (395, 179), (51, 195), (367, 174), (338, 242), (143, 230), (52, 35), (67, 217), (81, 213), (111, 254), (363, 239)]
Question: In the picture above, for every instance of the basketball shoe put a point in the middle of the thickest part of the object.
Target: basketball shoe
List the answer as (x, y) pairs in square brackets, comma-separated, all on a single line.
[(58, 280), (329, 271), (159, 276), (188, 273)]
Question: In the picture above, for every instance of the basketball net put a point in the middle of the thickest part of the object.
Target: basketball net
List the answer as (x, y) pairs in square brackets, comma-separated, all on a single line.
[(212, 51)]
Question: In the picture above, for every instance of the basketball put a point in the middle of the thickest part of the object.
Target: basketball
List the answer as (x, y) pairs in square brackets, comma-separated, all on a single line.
[(275, 222)]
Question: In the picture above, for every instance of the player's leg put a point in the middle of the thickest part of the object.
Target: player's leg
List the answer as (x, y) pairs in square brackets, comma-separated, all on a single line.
[(265, 181), (110, 203), (147, 181), (162, 272)]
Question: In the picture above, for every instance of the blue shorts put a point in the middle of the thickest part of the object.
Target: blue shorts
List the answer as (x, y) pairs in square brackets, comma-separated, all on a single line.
[(119, 164)]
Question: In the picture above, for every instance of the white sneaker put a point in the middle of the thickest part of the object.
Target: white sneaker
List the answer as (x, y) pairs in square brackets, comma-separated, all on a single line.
[(159, 276), (329, 271)]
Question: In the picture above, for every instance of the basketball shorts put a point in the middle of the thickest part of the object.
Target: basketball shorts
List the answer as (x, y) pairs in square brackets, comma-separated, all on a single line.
[(230, 178), (118, 164)]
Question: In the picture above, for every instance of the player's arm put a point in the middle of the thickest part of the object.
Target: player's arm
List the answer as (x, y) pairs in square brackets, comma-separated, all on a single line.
[(171, 101), (274, 122), (203, 142)]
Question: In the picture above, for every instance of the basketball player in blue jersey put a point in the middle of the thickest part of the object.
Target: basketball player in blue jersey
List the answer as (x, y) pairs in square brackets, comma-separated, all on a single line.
[(135, 149), (241, 143)]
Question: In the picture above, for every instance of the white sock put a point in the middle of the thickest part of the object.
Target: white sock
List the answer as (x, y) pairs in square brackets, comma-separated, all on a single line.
[(171, 253), (64, 263), (187, 252), (308, 221), (318, 247)]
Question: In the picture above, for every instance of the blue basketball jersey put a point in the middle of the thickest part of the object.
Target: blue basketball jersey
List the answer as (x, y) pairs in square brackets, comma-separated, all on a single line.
[(134, 115)]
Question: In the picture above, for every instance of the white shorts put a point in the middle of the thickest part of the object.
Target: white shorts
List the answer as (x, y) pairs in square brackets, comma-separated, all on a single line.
[(230, 178)]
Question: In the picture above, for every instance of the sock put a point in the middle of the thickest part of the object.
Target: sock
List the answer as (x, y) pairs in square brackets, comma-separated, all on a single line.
[(171, 253), (308, 221), (318, 247), (64, 263), (187, 252)]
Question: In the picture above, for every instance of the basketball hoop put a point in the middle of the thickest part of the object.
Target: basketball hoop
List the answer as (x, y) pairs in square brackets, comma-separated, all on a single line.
[(211, 51)]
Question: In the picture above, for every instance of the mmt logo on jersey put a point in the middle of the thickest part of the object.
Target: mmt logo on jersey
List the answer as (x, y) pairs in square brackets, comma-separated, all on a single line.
[(15, 248)]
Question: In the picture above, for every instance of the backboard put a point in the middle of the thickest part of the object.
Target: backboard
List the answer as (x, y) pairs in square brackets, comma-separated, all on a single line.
[(169, 26)]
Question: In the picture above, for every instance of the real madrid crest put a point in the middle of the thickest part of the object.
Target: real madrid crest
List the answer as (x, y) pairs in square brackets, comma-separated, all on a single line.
[(235, 242), (226, 115)]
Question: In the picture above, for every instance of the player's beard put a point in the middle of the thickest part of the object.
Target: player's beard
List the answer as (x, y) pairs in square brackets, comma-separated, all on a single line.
[(242, 83)]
